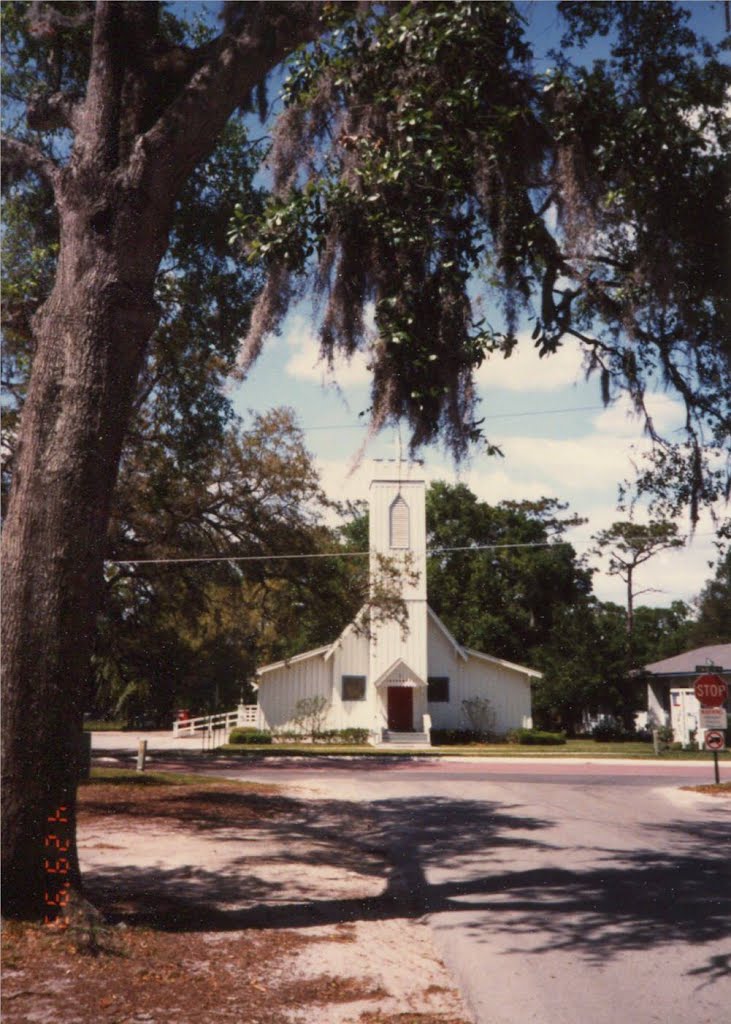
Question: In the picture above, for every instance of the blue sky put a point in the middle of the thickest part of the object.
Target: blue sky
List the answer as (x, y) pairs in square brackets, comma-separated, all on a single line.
[(557, 438)]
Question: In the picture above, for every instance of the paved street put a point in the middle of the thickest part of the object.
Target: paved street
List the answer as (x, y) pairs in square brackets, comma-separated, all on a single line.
[(562, 893), (559, 892)]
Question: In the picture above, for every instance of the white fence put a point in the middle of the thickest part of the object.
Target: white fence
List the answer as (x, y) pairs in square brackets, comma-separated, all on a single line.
[(245, 714)]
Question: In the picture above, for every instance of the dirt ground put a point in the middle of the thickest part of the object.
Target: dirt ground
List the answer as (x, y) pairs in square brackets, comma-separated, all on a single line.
[(224, 903)]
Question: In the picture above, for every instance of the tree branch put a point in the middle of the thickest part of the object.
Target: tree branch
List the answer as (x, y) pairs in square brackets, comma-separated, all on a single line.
[(45, 20), (98, 121), (21, 158), (48, 112), (189, 127)]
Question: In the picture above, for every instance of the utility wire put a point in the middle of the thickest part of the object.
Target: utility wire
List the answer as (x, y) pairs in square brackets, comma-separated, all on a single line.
[(333, 554), (493, 416), (319, 554)]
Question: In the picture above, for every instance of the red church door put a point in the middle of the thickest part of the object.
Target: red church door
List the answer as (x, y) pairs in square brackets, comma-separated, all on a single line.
[(401, 708)]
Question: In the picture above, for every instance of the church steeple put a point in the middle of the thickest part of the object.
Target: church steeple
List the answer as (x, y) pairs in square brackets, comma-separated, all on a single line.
[(397, 517)]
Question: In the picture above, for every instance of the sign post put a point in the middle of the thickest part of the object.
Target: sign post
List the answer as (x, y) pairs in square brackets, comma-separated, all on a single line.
[(712, 693), (715, 741)]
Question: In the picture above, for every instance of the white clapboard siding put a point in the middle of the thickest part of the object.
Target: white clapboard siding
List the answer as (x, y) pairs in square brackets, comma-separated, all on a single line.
[(507, 689), (281, 688)]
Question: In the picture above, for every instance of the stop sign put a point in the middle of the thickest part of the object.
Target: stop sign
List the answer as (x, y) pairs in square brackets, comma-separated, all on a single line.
[(710, 690)]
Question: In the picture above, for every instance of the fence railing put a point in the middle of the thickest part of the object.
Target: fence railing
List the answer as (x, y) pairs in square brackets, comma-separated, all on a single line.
[(245, 714)]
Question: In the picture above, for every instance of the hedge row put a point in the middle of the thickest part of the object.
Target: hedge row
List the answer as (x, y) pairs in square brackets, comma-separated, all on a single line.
[(260, 736), (536, 738), (242, 735), (454, 737)]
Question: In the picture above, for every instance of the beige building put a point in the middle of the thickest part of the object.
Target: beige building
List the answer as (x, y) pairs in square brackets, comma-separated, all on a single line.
[(398, 685)]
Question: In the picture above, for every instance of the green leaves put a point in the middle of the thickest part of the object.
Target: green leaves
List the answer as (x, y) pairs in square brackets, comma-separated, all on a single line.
[(588, 198)]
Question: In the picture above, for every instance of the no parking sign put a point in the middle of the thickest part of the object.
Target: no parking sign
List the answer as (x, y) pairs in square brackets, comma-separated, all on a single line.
[(715, 740)]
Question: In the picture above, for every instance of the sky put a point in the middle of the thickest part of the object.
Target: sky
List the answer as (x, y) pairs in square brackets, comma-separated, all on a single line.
[(557, 438)]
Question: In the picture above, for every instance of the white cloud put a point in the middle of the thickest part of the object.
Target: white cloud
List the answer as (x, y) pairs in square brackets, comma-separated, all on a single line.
[(526, 371), (305, 362), (588, 463), (621, 421)]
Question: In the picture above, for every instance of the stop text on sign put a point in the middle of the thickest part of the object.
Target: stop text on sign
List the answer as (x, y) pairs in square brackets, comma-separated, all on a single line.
[(710, 690)]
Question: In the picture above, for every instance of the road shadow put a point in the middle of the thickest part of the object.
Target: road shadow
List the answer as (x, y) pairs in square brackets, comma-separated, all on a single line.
[(362, 839), (673, 888)]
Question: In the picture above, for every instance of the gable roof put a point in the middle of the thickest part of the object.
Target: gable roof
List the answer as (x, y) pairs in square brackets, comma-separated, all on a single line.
[(523, 669), (326, 652), (458, 648), (687, 663), (467, 652), (399, 663), (350, 628), (286, 662)]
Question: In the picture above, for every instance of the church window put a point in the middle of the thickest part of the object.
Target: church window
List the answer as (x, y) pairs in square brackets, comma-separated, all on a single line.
[(399, 523), (438, 689), (354, 687)]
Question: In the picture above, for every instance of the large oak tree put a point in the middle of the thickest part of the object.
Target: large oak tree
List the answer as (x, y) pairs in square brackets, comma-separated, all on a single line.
[(150, 111)]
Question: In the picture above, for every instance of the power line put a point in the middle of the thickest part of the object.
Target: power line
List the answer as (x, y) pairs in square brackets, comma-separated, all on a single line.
[(493, 416), (234, 558), (335, 554), (319, 554)]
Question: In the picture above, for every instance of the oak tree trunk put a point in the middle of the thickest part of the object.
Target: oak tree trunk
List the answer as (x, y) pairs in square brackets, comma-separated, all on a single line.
[(90, 339), (151, 113)]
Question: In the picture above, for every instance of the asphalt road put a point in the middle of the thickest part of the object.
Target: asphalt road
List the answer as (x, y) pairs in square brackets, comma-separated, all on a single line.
[(559, 892)]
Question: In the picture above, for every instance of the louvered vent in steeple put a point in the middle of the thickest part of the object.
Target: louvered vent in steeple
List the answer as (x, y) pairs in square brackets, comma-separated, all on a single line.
[(399, 532)]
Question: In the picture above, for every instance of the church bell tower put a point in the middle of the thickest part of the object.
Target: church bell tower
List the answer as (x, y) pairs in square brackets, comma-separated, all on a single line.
[(397, 517)]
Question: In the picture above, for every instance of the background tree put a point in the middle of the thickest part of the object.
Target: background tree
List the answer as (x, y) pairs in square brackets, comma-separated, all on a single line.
[(503, 599), (629, 545), (584, 666), (713, 621), (193, 633), (661, 632)]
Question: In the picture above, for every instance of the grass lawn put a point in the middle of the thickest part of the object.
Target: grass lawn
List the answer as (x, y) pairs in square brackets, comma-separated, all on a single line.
[(572, 748), (131, 777)]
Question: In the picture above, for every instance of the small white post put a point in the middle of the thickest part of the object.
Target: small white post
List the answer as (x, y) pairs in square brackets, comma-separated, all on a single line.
[(141, 755)]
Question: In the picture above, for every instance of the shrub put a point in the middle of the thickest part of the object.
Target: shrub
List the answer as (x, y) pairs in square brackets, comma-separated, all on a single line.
[(310, 714), (479, 716), (611, 729), (241, 735), (349, 735), (353, 735), (664, 733), (536, 737), (452, 737)]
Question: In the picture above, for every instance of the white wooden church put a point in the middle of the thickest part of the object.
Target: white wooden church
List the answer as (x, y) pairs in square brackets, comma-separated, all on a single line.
[(398, 684)]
